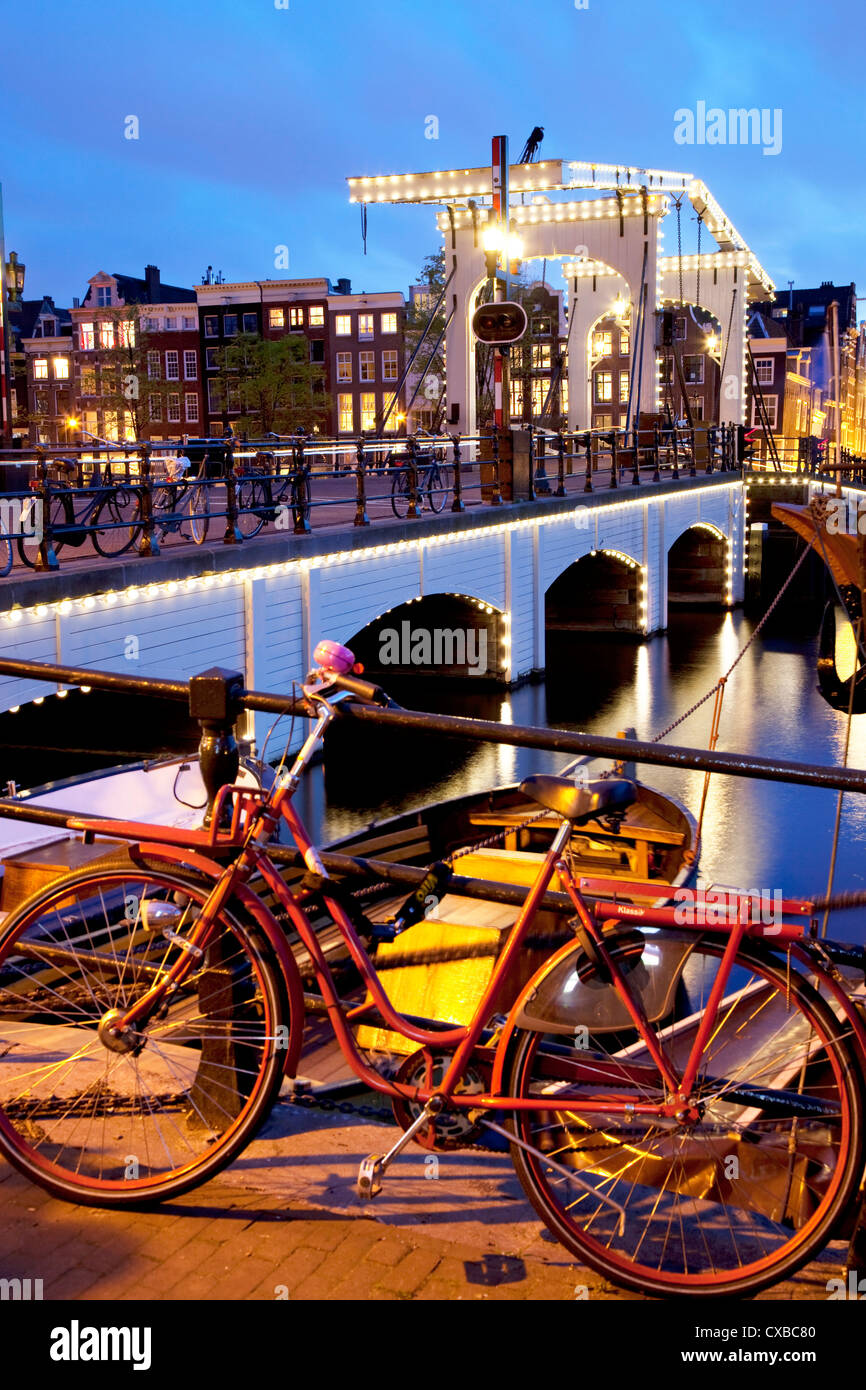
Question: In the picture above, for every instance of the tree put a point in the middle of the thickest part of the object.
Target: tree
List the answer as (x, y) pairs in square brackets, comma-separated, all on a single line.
[(129, 382), (274, 385)]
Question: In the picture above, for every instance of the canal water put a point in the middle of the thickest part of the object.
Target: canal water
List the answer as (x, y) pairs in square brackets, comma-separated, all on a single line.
[(755, 834)]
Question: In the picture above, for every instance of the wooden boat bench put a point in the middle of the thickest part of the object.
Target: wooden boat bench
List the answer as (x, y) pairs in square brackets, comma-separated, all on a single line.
[(627, 853)]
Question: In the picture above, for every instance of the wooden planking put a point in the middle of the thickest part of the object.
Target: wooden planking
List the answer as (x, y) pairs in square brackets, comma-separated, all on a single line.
[(29, 639)]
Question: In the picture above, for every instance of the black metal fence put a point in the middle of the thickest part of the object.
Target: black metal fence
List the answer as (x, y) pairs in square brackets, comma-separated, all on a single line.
[(131, 496)]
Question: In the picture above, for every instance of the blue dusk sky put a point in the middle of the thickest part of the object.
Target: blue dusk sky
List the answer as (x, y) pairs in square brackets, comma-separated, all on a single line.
[(251, 116)]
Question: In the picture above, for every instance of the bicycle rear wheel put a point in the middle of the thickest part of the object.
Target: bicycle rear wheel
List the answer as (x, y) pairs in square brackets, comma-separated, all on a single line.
[(440, 481), (741, 1191), (28, 545), (252, 499), (116, 523), (113, 1121), (6, 557)]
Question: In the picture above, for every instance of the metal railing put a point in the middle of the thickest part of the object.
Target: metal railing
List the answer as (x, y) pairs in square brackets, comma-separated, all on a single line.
[(126, 496)]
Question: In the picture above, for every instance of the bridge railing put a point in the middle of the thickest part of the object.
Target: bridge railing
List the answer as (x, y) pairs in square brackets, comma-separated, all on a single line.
[(131, 496)]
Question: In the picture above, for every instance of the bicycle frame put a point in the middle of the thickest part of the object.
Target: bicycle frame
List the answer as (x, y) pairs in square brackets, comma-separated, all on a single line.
[(253, 821)]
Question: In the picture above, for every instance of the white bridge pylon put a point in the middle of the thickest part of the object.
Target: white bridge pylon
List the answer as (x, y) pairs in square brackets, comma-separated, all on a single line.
[(607, 232)]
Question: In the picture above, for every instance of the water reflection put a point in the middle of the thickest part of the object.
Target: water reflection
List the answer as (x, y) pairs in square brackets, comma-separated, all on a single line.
[(755, 833)]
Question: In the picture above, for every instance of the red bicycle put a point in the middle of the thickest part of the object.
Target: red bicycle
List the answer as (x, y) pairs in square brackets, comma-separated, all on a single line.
[(683, 1100)]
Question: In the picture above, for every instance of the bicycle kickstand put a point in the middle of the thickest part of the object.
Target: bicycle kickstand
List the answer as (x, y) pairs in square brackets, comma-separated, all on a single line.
[(374, 1167)]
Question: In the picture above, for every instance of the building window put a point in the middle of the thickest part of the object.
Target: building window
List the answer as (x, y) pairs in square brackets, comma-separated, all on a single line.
[(344, 366), (171, 325), (389, 323), (764, 370), (155, 403), (40, 402), (210, 359), (624, 342), (276, 318), (126, 333), (604, 386), (317, 349), (317, 316), (230, 325), (188, 323), (61, 368), (110, 426), (389, 364), (541, 328), (174, 408), (190, 364), (623, 388), (296, 318), (368, 410), (251, 323), (88, 381), (103, 296), (697, 407), (40, 369), (48, 328), (172, 367), (392, 422), (602, 343), (517, 398), (191, 407), (539, 394), (233, 395), (151, 325), (366, 369), (85, 337), (771, 404), (541, 357), (106, 335), (211, 326), (679, 329), (365, 325), (693, 370), (602, 422), (563, 394), (343, 325), (346, 418), (215, 397)]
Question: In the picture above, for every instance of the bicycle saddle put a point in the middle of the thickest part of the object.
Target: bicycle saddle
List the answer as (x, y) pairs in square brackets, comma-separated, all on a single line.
[(606, 795)]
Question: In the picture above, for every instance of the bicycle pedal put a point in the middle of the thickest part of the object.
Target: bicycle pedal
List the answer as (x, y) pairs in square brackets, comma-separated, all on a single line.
[(370, 1177)]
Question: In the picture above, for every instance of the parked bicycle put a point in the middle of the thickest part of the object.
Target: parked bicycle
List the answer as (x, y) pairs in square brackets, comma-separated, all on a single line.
[(262, 490), (683, 1102), (105, 513), (179, 500), (434, 479)]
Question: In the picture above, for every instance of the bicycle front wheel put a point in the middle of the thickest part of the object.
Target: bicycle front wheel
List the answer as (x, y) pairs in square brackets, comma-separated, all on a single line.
[(6, 556), (439, 485), (199, 513), (739, 1188), (116, 523), (112, 1120), (400, 493), (252, 500)]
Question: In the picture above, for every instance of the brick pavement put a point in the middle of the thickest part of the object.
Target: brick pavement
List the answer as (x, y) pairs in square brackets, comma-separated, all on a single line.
[(241, 1237)]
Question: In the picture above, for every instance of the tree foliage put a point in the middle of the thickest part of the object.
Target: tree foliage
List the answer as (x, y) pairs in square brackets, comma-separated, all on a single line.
[(274, 384)]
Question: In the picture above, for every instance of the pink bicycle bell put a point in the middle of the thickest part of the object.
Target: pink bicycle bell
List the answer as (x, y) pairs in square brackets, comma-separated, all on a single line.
[(330, 656)]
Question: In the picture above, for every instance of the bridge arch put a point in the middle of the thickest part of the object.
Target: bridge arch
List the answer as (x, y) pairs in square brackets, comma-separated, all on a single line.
[(444, 636), (699, 568), (605, 591)]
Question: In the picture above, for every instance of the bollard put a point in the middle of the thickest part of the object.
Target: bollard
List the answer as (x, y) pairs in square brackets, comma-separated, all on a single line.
[(361, 517), (542, 483), (148, 545), (586, 441), (232, 534), (613, 458), (412, 447), (457, 501), (299, 492), (560, 465)]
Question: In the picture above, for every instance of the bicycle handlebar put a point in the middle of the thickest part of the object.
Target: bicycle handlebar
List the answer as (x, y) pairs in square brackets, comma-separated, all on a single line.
[(364, 690)]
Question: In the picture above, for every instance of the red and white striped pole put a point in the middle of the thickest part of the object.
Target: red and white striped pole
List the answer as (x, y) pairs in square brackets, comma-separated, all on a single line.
[(499, 184)]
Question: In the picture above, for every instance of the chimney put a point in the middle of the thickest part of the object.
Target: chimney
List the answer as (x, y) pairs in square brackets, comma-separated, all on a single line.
[(75, 303), (151, 280), (344, 286)]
